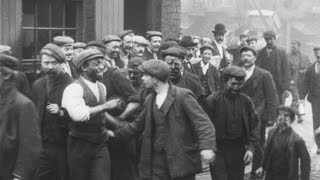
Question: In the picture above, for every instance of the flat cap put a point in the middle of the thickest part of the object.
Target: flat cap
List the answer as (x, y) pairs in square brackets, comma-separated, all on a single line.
[(140, 40), (205, 47), (110, 38), (167, 45), (123, 33), (287, 109), (317, 48), (252, 38), (248, 48), (9, 62), (234, 71), (269, 34), (63, 40), (95, 43), (87, 55), (156, 68), (187, 41), (174, 51), (5, 49), (149, 34), (54, 51), (135, 62), (79, 45)]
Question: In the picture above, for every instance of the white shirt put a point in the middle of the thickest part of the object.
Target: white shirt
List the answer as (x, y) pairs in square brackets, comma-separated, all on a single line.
[(249, 72), (160, 98), (220, 48), (73, 102), (204, 67)]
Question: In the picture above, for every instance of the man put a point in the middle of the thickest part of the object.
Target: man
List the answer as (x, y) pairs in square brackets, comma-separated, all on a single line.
[(139, 47), (47, 94), (299, 64), (174, 126), (20, 141), (65, 43), (285, 150), (155, 40), (135, 74), (312, 88), (252, 42), (274, 60), (112, 44), (77, 48), (174, 57), (85, 102), (234, 50), (126, 46), (220, 51), (190, 47), (166, 45), (22, 82), (237, 126), (208, 74), (260, 87)]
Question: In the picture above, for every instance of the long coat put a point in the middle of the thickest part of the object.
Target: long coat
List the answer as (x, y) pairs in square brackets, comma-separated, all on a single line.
[(281, 73), (19, 136), (189, 130), (261, 89), (296, 151), (213, 76)]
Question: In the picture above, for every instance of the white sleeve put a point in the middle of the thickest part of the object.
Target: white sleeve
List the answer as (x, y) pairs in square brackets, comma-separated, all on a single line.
[(73, 102)]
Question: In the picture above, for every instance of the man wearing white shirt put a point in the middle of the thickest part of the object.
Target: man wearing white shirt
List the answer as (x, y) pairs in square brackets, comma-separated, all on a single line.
[(260, 87), (85, 102)]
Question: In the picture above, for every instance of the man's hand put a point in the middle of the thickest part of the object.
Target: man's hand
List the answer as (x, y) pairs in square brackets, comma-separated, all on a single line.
[(53, 108), (259, 172), (114, 103), (207, 155), (248, 157)]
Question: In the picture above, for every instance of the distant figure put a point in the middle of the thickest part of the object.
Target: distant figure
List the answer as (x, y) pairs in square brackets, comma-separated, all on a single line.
[(190, 48), (139, 47), (286, 156), (275, 60), (219, 49), (234, 50), (126, 46), (155, 40)]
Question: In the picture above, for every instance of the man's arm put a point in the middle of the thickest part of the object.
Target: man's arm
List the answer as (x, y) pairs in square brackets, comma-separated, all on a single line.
[(304, 160), (271, 96)]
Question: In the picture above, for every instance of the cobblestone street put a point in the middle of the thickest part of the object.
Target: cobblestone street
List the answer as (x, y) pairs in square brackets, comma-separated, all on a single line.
[(305, 130)]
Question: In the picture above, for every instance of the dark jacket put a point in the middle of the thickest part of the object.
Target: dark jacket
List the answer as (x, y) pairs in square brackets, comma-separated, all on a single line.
[(20, 141), (261, 89), (224, 62), (188, 131), (213, 76), (296, 151), (22, 83), (311, 84), (54, 129), (74, 71), (216, 110), (186, 67), (280, 72), (191, 75)]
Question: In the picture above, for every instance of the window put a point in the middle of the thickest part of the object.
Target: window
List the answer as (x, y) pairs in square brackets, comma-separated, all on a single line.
[(42, 20)]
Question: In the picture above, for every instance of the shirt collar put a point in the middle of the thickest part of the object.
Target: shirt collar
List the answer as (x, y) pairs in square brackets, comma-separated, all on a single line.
[(89, 82), (204, 65), (250, 69)]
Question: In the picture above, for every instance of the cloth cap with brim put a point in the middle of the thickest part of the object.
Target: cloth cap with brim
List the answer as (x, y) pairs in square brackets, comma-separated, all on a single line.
[(269, 34), (205, 47), (167, 45), (9, 62), (156, 68), (123, 33), (187, 41), (174, 51), (248, 48), (234, 71), (5, 49), (135, 62), (140, 40), (63, 40), (219, 29), (95, 43), (79, 45), (150, 34), (287, 109), (54, 51), (110, 38), (252, 38), (87, 55)]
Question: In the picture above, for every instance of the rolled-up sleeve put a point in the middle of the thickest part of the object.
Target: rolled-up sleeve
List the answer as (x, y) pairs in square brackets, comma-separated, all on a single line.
[(73, 102)]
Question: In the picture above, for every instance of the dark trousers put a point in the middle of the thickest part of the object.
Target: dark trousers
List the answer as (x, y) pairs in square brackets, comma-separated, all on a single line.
[(229, 164), (87, 160), (53, 163), (258, 153), (160, 169), (315, 103)]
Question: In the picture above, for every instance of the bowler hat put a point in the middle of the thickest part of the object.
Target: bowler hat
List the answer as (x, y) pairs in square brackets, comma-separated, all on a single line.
[(187, 41), (156, 68), (219, 29)]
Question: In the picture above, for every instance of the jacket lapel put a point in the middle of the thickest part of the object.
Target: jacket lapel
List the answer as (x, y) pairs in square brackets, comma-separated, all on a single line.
[(169, 100), (252, 80)]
